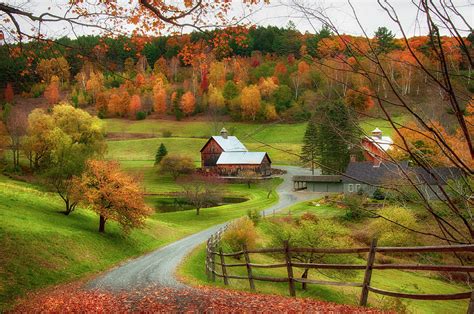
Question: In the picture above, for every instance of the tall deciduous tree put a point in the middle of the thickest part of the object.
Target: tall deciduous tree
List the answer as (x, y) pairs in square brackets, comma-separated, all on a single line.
[(250, 101), (113, 195), (200, 191), (76, 136), (51, 93), (188, 103)]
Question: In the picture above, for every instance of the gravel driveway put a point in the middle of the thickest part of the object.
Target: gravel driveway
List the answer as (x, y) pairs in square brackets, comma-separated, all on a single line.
[(158, 267)]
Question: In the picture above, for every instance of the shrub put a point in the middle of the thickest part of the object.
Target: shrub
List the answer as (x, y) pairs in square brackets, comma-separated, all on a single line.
[(37, 90), (309, 217), (378, 194), (353, 204), (166, 133), (254, 215), (140, 115), (391, 233), (241, 232)]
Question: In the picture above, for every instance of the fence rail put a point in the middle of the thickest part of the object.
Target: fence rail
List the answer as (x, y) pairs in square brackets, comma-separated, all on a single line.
[(214, 250)]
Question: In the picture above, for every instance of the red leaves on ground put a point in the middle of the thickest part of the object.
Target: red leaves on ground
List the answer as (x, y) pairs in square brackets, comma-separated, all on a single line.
[(191, 300)]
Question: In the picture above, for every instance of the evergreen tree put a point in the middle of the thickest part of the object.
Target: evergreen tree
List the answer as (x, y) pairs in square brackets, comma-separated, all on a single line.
[(309, 150), (160, 153), (385, 40), (336, 133)]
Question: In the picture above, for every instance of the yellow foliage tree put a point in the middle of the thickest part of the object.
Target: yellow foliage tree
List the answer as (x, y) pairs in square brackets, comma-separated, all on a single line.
[(250, 101)]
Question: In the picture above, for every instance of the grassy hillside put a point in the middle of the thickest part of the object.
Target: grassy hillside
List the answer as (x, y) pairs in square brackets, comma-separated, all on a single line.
[(281, 141), (42, 247), (192, 271)]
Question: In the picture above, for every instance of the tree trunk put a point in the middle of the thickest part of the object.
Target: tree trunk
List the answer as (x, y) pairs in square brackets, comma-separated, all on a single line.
[(304, 276), (197, 211), (102, 224)]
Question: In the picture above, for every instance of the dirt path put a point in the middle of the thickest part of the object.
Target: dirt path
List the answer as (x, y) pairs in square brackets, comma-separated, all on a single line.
[(158, 267)]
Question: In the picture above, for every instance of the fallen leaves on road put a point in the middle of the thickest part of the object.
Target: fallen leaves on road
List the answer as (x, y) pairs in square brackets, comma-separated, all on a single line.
[(192, 300)]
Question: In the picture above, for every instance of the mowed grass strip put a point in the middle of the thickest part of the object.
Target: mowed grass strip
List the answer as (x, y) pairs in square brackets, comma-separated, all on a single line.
[(192, 271)]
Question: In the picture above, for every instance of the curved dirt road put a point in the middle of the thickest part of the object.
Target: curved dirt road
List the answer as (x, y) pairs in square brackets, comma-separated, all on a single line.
[(158, 267)]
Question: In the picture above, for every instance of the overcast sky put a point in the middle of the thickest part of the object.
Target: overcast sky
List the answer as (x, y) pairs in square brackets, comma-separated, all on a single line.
[(280, 12)]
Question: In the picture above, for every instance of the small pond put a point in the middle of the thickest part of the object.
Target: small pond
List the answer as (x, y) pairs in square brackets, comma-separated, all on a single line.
[(172, 204)]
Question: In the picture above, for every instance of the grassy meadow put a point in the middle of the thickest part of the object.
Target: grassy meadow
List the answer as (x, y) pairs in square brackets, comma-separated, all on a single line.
[(192, 272)]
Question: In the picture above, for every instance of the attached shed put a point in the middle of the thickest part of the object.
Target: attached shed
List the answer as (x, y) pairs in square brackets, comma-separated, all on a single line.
[(322, 183), (234, 163)]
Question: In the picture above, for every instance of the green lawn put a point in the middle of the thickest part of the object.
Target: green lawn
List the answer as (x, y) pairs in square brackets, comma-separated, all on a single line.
[(42, 247), (192, 271)]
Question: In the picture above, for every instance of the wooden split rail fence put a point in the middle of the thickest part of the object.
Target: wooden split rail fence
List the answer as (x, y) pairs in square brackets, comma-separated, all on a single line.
[(214, 251)]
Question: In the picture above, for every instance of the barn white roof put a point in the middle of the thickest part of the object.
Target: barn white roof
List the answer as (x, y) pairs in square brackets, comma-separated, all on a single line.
[(385, 143), (241, 158), (230, 144)]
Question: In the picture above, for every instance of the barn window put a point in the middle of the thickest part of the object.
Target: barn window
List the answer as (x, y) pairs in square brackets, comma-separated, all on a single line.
[(357, 187), (350, 188)]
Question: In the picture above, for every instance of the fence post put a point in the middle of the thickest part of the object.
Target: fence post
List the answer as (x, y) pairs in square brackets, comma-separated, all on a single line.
[(224, 270), (249, 268), (289, 267), (470, 310), (208, 258), (213, 260), (368, 273)]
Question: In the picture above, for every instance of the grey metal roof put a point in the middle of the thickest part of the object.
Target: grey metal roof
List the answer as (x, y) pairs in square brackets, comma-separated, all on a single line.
[(230, 144), (322, 178), (241, 158), (438, 175), (365, 172)]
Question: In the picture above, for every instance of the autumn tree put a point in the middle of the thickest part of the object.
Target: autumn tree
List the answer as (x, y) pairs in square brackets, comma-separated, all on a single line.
[(188, 103), (250, 101), (75, 137), (176, 165), (112, 194), (217, 74), (200, 191), (216, 100), (95, 84), (9, 93), (134, 106), (159, 96), (360, 100), (16, 124), (51, 93), (300, 77), (119, 102), (37, 144), (267, 87)]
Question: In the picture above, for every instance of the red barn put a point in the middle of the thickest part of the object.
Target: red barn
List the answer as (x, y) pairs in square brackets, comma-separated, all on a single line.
[(227, 156), (376, 146)]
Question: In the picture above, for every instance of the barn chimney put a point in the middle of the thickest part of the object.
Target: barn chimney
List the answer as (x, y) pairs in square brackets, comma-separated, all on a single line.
[(224, 133), (377, 133)]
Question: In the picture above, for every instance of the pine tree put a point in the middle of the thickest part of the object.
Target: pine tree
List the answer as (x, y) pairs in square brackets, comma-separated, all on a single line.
[(337, 132), (160, 153), (310, 147)]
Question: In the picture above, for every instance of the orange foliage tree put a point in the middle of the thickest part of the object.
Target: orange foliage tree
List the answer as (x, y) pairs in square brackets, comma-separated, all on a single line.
[(51, 93), (113, 195), (159, 98), (360, 100), (119, 102), (250, 101), (9, 93), (188, 103), (134, 106)]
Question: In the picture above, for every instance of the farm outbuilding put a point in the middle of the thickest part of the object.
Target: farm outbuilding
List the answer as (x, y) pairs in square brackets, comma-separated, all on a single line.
[(227, 156)]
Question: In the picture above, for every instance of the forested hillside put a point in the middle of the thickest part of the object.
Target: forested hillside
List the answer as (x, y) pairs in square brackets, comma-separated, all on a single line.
[(249, 74)]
